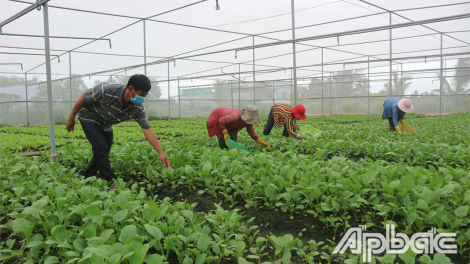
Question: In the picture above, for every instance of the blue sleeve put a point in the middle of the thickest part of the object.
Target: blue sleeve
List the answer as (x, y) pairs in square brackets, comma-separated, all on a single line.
[(401, 116), (395, 116)]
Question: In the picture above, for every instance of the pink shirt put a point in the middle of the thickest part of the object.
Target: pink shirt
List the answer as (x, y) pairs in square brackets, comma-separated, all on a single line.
[(227, 118)]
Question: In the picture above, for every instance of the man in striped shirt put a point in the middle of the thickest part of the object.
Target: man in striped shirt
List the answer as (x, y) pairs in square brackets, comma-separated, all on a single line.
[(107, 104), (284, 114)]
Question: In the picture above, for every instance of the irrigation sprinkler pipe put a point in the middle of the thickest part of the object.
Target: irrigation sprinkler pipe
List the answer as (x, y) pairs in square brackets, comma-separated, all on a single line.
[(14, 63), (59, 37), (29, 54)]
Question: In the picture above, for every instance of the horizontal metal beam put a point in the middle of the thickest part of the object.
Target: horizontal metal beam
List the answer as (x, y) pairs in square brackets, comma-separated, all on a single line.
[(332, 35), (269, 99), (411, 58), (22, 13)]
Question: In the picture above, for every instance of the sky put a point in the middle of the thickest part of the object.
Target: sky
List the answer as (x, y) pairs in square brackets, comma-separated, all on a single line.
[(198, 26)]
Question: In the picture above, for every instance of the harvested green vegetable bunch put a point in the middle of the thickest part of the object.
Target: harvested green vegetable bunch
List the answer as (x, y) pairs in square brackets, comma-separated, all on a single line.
[(310, 132)]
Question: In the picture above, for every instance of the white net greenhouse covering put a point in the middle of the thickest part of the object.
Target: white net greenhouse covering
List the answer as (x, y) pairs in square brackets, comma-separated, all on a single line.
[(349, 55)]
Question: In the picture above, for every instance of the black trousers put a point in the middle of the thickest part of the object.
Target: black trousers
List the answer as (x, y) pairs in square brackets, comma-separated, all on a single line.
[(270, 124), (390, 122), (101, 145)]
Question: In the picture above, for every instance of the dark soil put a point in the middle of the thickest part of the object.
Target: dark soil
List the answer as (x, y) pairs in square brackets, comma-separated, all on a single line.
[(4, 236), (274, 222)]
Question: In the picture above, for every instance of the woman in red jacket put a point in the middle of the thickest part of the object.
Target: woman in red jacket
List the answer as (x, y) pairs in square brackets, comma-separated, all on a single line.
[(225, 122)]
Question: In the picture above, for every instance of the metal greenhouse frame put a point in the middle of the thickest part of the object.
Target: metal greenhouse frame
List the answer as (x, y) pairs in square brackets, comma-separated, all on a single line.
[(234, 79)]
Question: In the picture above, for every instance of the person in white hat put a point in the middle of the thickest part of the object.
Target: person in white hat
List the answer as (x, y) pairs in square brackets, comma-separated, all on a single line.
[(394, 110)]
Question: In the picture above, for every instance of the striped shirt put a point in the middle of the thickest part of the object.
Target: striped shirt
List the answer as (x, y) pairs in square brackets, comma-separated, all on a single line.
[(283, 116), (103, 104)]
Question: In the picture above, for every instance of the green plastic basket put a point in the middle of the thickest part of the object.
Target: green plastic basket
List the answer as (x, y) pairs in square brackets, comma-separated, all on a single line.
[(310, 132), (234, 145)]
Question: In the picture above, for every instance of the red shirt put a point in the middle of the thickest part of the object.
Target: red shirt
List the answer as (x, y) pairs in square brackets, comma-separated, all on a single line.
[(227, 118)]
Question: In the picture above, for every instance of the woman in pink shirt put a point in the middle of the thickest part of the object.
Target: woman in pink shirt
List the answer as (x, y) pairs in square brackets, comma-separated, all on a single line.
[(225, 122)]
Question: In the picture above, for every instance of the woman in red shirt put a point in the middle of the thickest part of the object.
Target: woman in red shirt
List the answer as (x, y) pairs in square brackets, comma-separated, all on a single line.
[(225, 122)]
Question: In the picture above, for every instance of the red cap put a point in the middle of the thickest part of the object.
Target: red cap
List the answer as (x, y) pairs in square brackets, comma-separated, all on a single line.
[(299, 112)]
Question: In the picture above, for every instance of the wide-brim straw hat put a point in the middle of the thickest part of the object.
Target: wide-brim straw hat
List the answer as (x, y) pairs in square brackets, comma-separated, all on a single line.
[(405, 105), (250, 115), (299, 112)]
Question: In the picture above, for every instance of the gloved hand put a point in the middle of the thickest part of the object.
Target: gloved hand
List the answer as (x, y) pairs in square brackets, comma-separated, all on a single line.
[(397, 128), (264, 143), (225, 132), (301, 138)]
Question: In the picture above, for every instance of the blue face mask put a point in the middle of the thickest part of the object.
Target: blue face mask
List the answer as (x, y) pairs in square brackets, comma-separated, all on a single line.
[(137, 100)]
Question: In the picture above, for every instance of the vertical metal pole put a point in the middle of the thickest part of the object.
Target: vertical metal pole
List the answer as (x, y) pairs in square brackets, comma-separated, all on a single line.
[(274, 94), (70, 79), (294, 54), (390, 22), (169, 113), (291, 85), (145, 59), (179, 99), (368, 87), (231, 92), (254, 79), (53, 157), (401, 79), (445, 91), (330, 95), (322, 82), (336, 99), (239, 86), (440, 86), (26, 88)]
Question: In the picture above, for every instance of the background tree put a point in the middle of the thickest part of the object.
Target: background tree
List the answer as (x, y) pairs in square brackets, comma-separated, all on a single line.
[(221, 92), (461, 80), (314, 89), (154, 94), (344, 82), (400, 84)]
